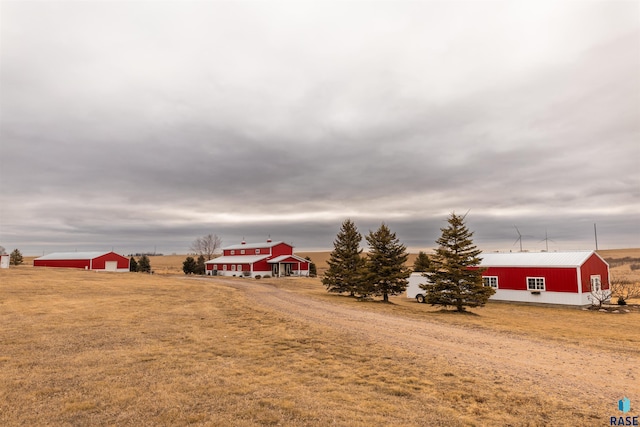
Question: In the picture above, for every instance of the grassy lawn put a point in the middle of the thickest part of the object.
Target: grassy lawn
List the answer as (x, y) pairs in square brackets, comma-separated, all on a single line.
[(85, 348)]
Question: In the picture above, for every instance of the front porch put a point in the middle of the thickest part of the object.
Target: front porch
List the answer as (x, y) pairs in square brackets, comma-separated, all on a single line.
[(289, 265)]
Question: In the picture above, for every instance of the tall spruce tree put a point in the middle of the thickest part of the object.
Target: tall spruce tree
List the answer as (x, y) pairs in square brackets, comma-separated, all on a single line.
[(386, 270), (15, 258), (133, 264), (201, 267), (144, 265), (453, 281), (313, 270), (346, 264), (421, 264)]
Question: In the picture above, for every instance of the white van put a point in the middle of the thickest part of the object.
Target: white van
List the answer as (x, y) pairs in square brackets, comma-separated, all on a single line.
[(413, 287)]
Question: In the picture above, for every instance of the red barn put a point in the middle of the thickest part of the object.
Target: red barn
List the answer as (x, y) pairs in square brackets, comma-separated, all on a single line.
[(99, 261), (251, 259), (546, 277)]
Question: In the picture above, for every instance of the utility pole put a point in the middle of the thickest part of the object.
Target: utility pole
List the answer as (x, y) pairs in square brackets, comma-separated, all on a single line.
[(595, 233)]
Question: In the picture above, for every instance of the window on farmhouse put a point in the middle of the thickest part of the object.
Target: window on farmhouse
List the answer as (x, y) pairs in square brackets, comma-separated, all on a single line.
[(596, 284), (233, 252), (535, 283), (257, 251), (233, 268), (491, 281), (241, 251)]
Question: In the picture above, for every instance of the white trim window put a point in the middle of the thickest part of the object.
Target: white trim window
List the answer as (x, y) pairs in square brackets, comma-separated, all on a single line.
[(257, 251), (239, 268), (233, 267), (596, 283), (232, 252), (535, 283), (241, 251), (224, 267), (490, 281)]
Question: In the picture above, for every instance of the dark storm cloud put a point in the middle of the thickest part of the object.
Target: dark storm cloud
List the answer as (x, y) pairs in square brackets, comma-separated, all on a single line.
[(139, 122)]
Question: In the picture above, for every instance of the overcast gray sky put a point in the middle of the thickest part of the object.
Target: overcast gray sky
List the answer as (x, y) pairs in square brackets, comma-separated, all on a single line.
[(142, 125)]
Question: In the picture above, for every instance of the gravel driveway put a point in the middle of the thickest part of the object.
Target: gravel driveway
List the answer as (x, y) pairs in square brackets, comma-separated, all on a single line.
[(570, 373)]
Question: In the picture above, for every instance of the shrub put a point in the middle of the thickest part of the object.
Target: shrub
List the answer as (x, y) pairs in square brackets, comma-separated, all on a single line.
[(258, 276), (634, 267), (266, 276), (621, 301), (189, 265)]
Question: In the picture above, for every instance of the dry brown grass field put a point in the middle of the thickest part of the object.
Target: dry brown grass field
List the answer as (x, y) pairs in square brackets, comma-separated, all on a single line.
[(86, 348)]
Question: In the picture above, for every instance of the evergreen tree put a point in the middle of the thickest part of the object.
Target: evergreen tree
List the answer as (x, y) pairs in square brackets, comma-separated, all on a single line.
[(189, 265), (200, 266), (421, 264), (387, 273), (144, 265), (453, 283), (16, 257), (133, 264), (313, 271), (346, 264)]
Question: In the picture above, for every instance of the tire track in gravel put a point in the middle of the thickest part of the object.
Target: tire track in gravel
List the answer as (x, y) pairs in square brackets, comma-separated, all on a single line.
[(572, 373)]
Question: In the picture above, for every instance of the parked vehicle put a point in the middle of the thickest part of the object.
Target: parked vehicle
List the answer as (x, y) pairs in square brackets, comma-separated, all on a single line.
[(413, 287)]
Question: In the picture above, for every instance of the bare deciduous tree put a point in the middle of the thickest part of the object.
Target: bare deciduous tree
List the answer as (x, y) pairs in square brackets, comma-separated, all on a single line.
[(624, 290), (207, 245), (598, 296)]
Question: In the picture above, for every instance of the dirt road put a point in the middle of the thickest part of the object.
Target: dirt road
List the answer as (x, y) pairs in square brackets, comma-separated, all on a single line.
[(572, 374)]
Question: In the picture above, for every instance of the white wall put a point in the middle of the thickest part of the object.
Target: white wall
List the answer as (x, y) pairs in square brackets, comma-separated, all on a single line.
[(4, 261), (545, 297), (231, 273)]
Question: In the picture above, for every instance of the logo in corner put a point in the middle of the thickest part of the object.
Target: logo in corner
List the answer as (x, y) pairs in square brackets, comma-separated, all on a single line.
[(624, 405)]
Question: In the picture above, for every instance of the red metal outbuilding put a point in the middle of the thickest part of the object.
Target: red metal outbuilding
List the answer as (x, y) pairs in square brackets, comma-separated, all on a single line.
[(546, 277), (98, 261)]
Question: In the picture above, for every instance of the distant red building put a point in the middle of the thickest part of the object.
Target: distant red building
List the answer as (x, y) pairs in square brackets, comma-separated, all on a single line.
[(250, 259), (545, 277), (99, 261)]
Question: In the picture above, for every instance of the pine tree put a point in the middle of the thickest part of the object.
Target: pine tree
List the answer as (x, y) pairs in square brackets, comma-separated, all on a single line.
[(189, 265), (133, 264), (421, 264), (144, 265), (16, 257), (453, 283), (313, 271), (346, 264), (386, 270), (201, 268)]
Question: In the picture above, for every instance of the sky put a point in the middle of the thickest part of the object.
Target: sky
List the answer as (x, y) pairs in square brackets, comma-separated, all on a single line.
[(138, 126)]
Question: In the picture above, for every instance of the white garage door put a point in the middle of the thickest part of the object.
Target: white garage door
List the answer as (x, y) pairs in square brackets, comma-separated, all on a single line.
[(111, 265)]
